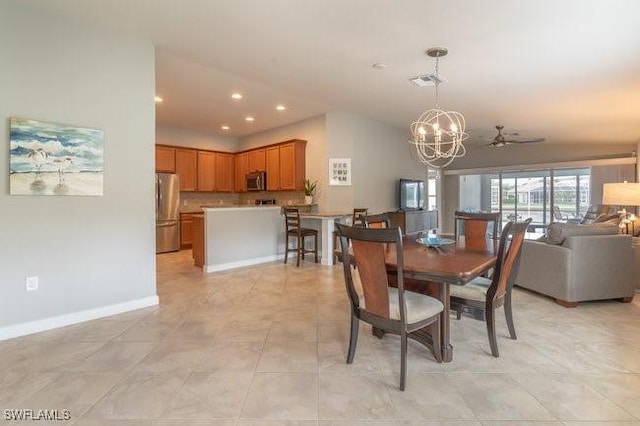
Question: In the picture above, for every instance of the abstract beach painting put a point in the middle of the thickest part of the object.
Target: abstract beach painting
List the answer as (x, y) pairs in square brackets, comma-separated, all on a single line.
[(55, 159)]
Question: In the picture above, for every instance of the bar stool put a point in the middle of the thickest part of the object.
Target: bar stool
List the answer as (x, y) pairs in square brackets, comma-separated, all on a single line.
[(357, 220), (294, 230)]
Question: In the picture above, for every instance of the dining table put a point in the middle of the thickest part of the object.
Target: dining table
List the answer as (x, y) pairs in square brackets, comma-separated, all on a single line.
[(442, 265)]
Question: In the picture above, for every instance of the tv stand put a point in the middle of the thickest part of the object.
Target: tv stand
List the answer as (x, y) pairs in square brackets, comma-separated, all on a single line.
[(414, 221)]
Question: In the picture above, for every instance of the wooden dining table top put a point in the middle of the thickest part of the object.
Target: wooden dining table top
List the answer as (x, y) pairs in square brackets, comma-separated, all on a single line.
[(450, 263)]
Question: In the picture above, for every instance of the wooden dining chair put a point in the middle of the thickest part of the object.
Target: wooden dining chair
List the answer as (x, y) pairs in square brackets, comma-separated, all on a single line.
[(358, 217), (380, 220), (476, 228), (390, 309), (298, 233), (485, 295)]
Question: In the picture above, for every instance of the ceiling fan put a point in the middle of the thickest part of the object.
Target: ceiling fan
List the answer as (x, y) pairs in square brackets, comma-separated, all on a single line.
[(501, 140)]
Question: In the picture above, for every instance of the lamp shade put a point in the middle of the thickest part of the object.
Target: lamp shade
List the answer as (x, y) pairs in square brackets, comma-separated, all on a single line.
[(621, 194)]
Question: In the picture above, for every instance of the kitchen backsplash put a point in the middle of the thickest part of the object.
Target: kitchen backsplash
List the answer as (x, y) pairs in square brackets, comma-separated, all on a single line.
[(190, 201)]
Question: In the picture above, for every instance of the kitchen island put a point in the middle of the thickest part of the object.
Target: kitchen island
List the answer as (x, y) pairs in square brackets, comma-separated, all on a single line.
[(241, 236)]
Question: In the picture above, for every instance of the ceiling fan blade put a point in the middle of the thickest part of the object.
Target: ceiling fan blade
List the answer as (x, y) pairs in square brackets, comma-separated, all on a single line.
[(525, 140)]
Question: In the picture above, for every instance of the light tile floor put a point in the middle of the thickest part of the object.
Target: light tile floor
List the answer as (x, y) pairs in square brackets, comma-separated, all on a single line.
[(266, 346)]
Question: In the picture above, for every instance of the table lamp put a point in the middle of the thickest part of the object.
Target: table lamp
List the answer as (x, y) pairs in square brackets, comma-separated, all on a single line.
[(622, 194)]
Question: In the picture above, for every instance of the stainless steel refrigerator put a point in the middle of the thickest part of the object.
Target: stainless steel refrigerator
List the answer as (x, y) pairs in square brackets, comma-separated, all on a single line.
[(167, 215)]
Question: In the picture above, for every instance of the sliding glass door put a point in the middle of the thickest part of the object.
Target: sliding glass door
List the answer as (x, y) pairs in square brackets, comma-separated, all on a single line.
[(524, 194)]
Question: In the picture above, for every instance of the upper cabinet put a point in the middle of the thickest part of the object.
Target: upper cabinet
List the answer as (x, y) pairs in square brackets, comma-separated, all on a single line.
[(273, 168), (224, 181), (186, 168), (292, 165), (212, 171), (242, 168), (257, 160), (286, 166), (206, 171), (165, 159)]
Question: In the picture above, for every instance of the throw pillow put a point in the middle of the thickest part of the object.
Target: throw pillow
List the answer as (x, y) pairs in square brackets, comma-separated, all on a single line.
[(611, 219), (557, 232)]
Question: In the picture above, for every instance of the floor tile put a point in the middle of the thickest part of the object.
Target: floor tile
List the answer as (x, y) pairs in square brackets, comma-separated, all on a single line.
[(207, 396), (282, 396), (569, 398), (357, 397)]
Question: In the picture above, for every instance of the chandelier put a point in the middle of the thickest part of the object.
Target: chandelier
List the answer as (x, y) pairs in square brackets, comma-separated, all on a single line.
[(437, 134)]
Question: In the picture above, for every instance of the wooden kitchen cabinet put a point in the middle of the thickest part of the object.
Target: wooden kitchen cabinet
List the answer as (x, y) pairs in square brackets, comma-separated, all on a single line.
[(257, 160), (272, 155), (165, 159), (224, 176), (186, 168), (292, 165), (186, 230), (286, 166), (212, 171), (198, 240), (241, 170), (206, 171)]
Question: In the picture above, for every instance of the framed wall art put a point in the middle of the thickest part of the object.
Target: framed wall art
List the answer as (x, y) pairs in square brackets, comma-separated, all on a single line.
[(54, 159), (340, 171)]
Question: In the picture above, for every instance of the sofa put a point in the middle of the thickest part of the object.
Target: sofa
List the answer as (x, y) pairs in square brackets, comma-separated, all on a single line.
[(576, 263)]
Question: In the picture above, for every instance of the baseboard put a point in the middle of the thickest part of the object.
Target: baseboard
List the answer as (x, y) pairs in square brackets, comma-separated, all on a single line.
[(242, 263), (30, 327)]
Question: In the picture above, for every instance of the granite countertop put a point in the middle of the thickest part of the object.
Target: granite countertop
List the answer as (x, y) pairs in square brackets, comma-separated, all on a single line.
[(192, 209)]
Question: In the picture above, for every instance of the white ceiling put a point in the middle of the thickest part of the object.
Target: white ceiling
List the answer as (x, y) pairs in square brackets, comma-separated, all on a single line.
[(566, 70)]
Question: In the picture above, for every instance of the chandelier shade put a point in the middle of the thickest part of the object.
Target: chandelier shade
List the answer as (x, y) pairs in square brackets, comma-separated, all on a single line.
[(437, 134)]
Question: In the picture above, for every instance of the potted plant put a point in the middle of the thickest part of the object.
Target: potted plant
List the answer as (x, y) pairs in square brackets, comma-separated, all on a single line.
[(309, 190)]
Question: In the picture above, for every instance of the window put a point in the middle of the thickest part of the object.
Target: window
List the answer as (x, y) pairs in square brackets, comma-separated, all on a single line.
[(520, 195), (432, 191)]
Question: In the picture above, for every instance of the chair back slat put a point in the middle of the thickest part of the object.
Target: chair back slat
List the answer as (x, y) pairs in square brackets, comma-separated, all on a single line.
[(292, 218), (508, 260), (478, 229), (358, 217), (368, 250), (369, 258), (380, 220)]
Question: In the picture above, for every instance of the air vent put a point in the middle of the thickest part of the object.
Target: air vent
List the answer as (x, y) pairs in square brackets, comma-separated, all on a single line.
[(427, 80)]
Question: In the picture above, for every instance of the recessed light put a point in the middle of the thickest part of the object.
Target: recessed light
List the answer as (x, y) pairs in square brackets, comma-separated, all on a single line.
[(379, 66), (225, 127), (281, 107), (158, 99), (236, 96), (249, 118)]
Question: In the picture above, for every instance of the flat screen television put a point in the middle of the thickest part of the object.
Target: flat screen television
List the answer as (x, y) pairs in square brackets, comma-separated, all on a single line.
[(411, 194)]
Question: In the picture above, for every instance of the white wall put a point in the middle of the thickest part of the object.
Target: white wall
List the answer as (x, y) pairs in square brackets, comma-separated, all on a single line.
[(380, 155), (89, 252), (166, 135)]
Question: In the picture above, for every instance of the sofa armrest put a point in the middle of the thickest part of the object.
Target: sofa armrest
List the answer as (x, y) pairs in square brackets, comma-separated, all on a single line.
[(545, 268), (602, 267)]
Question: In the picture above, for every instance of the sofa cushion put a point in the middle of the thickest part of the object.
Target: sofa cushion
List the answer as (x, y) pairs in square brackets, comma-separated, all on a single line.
[(557, 232)]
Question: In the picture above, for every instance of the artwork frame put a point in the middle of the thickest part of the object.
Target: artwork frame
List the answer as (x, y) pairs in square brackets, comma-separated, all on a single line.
[(340, 171), (47, 158)]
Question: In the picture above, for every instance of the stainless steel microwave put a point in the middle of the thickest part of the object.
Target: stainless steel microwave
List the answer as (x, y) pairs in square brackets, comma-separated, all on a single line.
[(256, 181)]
